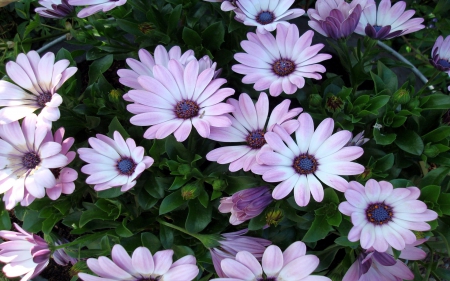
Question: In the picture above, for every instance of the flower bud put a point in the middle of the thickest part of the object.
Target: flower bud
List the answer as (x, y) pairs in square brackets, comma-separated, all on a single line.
[(190, 191), (401, 96), (334, 104), (273, 217), (184, 169), (219, 185), (315, 100)]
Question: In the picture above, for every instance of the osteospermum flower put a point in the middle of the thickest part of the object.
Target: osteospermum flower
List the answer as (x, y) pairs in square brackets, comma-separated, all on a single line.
[(37, 81), (316, 155), (383, 216), (249, 126), (291, 265), (25, 254), (177, 98), (54, 9), (226, 5), (113, 162), (60, 256), (64, 176), (387, 22), (96, 6), (266, 14), (280, 64), (336, 19), (233, 243), (142, 265), (27, 160), (246, 204), (440, 55)]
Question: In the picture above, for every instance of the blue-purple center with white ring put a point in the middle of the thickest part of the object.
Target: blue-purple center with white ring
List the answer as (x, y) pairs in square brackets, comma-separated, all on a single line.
[(256, 139), (305, 164), (126, 166), (30, 160), (186, 109), (377, 28), (265, 17), (379, 213)]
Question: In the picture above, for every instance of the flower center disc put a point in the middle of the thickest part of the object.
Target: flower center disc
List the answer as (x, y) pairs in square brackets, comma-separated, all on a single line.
[(283, 67), (126, 166), (44, 98), (305, 164), (379, 213), (186, 109), (444, 63), (265, 17), (256, 139), (377, 28), (30, 160)]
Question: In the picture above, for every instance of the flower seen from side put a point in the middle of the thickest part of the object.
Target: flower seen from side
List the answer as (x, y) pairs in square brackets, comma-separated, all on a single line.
[(96, 6), (25, 254), (246, 204), (249, 126), (291, 265), (280, 64), (226, 6), (60, 256), (383, 216), (266, 14), (36, 83), (317, 154), (388, 21), (177, 98), (358, 140), (440, 55), (27, 160), (142, 265), (113, 162), (55, 9)]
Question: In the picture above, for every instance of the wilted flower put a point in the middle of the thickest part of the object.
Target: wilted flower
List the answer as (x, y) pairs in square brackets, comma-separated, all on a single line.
[(39, 79), (383, 216), (387, 22), (25, 254), (27, 161), (177, 98), (227, 5), (280, 64), (142, 265), (54, 9), (113, 162), (233, 243), (246, 204), (249, 126), (358, 140), (291, 265), (96, 6), (440, 55), (316, 154), (336, 18)]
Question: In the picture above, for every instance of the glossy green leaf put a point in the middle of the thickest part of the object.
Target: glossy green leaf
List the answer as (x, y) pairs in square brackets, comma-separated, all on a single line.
[(171, 202), (318, 230), (213, 36), (437, 134), (410, 142), (430, 193), (150, 241), (198, 217), (191, 37), (383, 139), (116, 126), (98, 67)]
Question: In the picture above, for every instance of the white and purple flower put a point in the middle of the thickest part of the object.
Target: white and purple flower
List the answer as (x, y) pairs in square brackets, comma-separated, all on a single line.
[(95, 6), (440, 55), (54, 9)]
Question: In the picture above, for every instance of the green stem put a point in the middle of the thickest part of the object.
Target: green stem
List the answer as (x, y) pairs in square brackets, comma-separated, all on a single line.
[(52, 27), (44, 37), (429, 82)]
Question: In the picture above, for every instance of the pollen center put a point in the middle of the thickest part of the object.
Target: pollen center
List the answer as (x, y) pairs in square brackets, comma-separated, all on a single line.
[(44, 98), (283, 67), (256, 139), (265, 17), (126, 166), (186, 109), (379, 213), (444, 63), (377, 27), (305, 164), (30, 160)]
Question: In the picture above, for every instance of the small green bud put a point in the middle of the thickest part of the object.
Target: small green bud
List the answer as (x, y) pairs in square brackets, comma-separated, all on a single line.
[(145, 27), (114, 95), (401, 96), (366, 175), (315, 100), (184, 169), (431, 151), (334, 104), (219, 184), (190, 191), (273, 217)]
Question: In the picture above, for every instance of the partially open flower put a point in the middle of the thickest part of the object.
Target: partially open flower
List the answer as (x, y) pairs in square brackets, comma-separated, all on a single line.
[(95, 6), (440, 55), (54, 9), (227, 5)]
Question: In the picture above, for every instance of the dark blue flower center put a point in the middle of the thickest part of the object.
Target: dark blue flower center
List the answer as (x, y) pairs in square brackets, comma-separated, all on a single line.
[(186, 109), (283, 67), (256, 139), (265, 17), (305, 164), (126, 166), (30, 160), (444, 63), (44, 98), (377, 27), (379, 213)]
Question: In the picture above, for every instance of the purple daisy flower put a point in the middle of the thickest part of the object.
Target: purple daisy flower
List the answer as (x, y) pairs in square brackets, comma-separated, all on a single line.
[(25, 254), (282, 63), (249, 126), (440, 55), (54, 9), (60, 256), (39, 79), (113, 162), (246, 204), (177, 98), (142, 265), (383, 216), (226, 6), (96, 6), (316, 154), (27, 160), (291, 265), (336, 19), (233, 243), (388, 22), (266, 14)]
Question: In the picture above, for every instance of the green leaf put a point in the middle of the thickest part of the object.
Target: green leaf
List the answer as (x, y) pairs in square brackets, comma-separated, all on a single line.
[(175, 148), (377, 102), (237, 183), (436, 101), (330, 196), (174, 18), (388, 76), (444, 203), (98, 67), (191, 37), (442, 7), (430, 193), (382, 139), (166, 236), (384, 163), (198, 217), (110, 193), (171, 202), (93, 214), (318, 230), (437, 134), (214, 36), (434, 177), (150, 241), (410, 142), (129, 27), (122, 229), (5, 220), (257, 222), (343, 241), (116, 126), (335, 219)]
